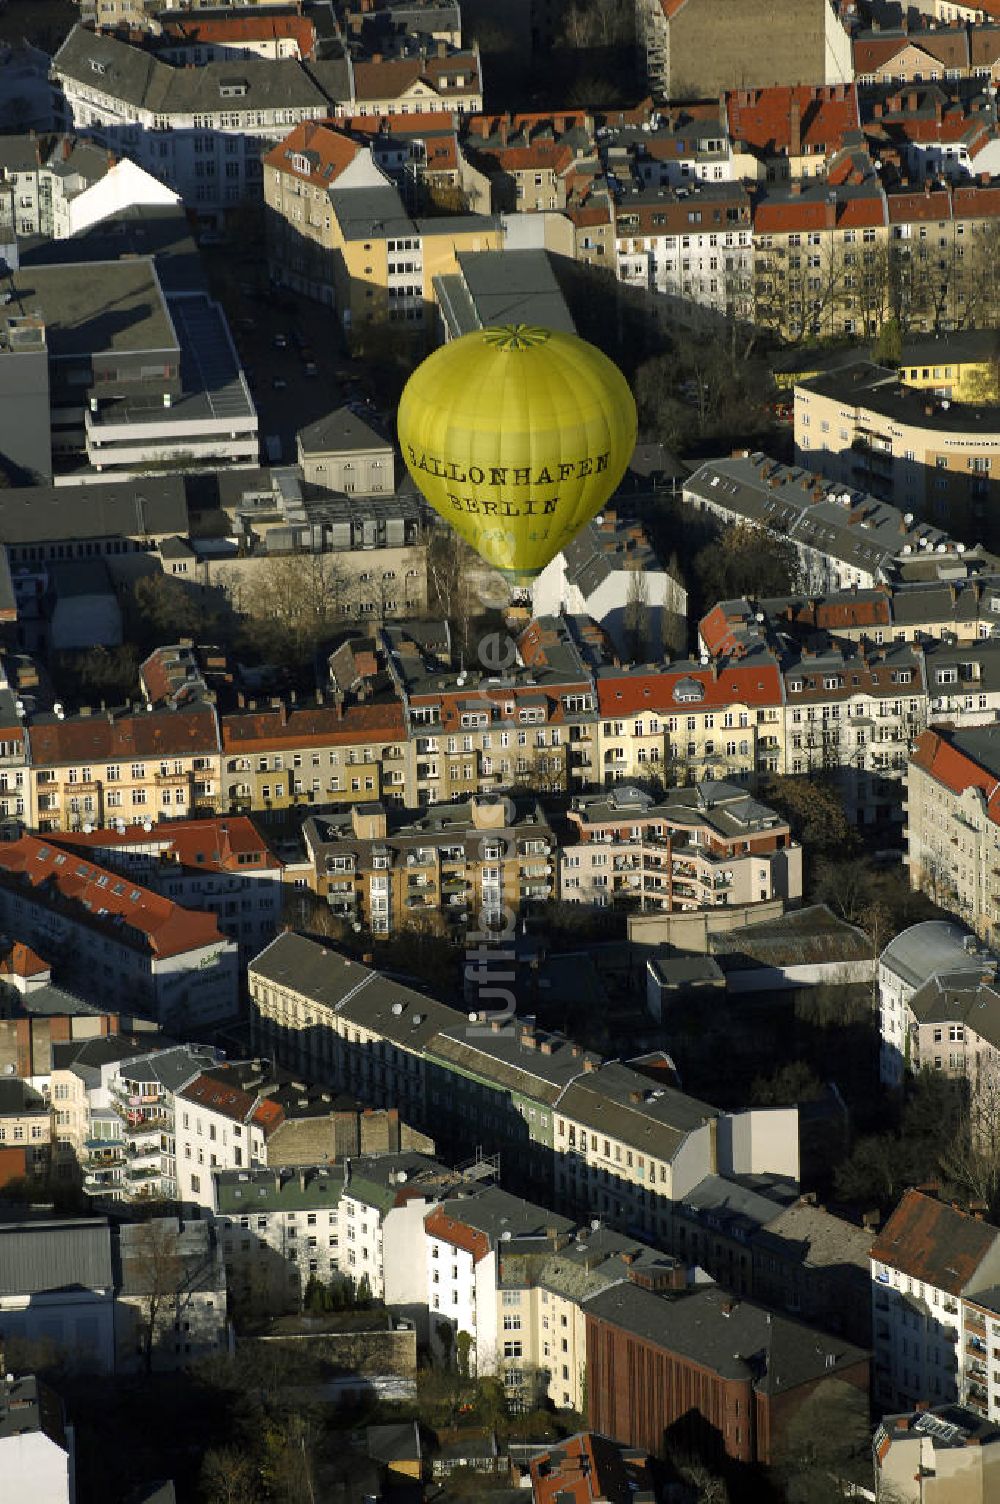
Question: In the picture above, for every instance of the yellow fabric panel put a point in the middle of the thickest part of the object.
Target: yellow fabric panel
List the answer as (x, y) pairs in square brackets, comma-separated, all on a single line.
[(517, 436)]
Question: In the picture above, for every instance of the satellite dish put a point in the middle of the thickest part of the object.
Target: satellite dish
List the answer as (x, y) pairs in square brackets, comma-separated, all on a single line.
[(147, 824), (87, 828), (473, 1018)]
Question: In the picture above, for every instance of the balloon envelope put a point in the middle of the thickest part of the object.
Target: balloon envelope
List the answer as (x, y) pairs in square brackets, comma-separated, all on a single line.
[(517, 436)]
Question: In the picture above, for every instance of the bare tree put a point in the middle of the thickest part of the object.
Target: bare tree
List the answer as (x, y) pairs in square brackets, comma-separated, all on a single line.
[(449, 564), (156, 1272), (637, 615), (304, 595)]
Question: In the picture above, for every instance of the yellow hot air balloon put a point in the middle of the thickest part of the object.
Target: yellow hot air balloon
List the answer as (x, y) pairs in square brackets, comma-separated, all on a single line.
[(517, 436)]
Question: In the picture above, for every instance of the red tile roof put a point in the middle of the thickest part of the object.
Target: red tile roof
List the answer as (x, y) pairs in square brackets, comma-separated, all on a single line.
[(976, 201), (762, 118), (911, 208), (936, 755), (100, 738), (223, 1097), (214, 844), (272, 730), (458, 1234), (756, 682), (934, 1243), (583, 1468), (393, 78), (332, 150), (97, 895), (948, 46), (23, 962), (237, 29)]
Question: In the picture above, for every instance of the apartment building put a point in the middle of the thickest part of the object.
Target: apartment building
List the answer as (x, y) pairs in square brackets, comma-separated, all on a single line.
[(339, 231), (542, 1289), (489, 729), (952, 823), (584, 1137), (201, 130), (277, 1229), (688, 723), (853, 712), (223, 865), (249, 1115), (288, 756), (692, 243), (842, 536), (935, 458), (916, 965), (74, 185), (793, 132), (119, 941), (699, 847), (820, 249), (229, 38), (902, 56), (57, 1290), (25, 1125), (444, 80), (933, 1271), (530, 161), (98, 769), (385, 869), (464, 1241), (942, 1452)]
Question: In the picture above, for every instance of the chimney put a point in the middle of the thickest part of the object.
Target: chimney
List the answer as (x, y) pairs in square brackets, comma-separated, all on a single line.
[(830, 212), (502, 128), (937, 111), (442, 49), (302, 1180), (794, 127), (545, 1047), (878, 109), (67, 148)]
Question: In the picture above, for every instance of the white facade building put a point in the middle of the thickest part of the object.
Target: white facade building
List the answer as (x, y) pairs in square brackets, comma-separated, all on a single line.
[(202, 130), (923, 951), (36, 1445)]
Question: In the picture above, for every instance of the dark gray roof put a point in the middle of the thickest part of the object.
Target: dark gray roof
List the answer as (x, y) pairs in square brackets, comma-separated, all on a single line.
[(879, 389), (393, 1443), (78, 577), (505, 1218), (50, 1001), (18, 1097), (501, 287), (733, 1338), (366, 212), (97, 306), (150, 507), (603, 1101), (138, 78), (57, 1255), (173, 1067), (158, 230), (980, 743), (340, 432), (932, 946)]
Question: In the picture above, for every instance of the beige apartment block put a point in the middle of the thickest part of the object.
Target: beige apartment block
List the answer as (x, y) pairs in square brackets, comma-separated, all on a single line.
[(953, 823), (389, 871), (706, 847), (930, 456)]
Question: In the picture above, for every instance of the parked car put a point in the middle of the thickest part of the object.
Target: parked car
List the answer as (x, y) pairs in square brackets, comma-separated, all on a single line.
[(280, 342), (279, 383), (311, 368)]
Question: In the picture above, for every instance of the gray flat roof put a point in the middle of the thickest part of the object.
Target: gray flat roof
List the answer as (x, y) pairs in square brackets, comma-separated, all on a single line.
[(91, 307), (56, 1255), (505, 287), (151, 507), (733, 1338), (932, 946)]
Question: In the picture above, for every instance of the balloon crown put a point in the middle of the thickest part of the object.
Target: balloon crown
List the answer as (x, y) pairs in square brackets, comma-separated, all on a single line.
[(515, 336)]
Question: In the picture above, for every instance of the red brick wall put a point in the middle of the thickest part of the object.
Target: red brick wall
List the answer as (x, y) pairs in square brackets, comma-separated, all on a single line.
[(637, 1391)]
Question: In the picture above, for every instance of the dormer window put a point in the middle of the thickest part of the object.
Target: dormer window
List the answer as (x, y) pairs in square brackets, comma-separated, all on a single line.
[(300, 164), (233, 88)]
